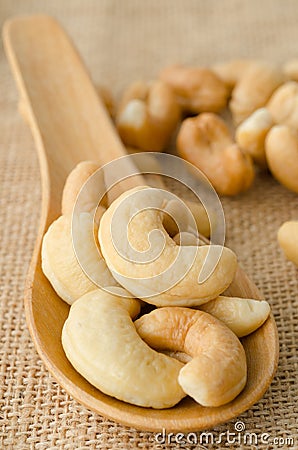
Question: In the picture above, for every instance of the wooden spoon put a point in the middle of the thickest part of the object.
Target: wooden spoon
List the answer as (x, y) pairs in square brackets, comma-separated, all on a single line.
[(70, 124)]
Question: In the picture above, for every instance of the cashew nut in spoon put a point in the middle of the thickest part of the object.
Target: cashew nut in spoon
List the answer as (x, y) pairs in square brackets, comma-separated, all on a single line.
[(73, 184), (217, 372), (187, 238), (203, 222), (101, 341), (147, 262), (206, 142), (59, 260), (242, 315)]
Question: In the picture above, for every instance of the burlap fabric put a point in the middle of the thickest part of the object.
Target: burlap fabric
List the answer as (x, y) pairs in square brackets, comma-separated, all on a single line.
[(122, 41)]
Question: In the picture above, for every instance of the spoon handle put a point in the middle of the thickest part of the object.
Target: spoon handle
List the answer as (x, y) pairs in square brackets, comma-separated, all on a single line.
[(68, 120)]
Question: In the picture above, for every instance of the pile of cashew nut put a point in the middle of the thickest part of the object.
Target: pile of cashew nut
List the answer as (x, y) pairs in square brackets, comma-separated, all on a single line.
[(109, 339), (229, 120), (260, 100)]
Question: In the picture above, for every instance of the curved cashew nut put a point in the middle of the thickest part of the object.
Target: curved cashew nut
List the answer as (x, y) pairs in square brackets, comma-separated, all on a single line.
[(254, 90), (59, 261), (100, 340), (186, 238), (217, 373), (251, 134), (232, 71), (73, 184), (60, 264), (288, 240), (241, 315), (107, 98), (290, 69), (281, 148), (148, 115), (162, 277), (197, 89), (283, 105), (206, 142), (202, 221), (205, 222)]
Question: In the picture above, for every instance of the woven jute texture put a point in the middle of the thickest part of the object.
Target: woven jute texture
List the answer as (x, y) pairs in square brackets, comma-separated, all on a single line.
[(122, 41)]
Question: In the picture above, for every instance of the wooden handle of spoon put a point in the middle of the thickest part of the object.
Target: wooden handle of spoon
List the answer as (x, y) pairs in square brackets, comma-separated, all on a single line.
[(68, 120)]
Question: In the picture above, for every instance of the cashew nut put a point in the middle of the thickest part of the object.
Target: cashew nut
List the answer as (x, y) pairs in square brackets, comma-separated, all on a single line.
[(232, 71), (254, 90), (290, 69), (107, 98), (205, 222), (101, 342), (159, 271), (217, 372), (147, 116), (59, 260), (197, 89), (288, 240), (241, 315), (199, 213), (281, 147), (60, 264), (251, 134), (206, 142), (75, 180), (283, 105), (186, 238)]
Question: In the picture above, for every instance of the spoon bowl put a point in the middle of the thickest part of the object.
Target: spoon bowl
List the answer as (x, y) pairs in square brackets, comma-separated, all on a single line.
[(69, 124)]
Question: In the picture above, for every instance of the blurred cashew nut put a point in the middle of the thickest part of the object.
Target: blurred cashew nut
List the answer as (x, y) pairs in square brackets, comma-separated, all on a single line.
[(232, 71), (283, 105), (290, 69), (254, 90), (107, 98), (197, 89), (251, 135), (288, 240), (147, 116), (281, 148), (206, 142)]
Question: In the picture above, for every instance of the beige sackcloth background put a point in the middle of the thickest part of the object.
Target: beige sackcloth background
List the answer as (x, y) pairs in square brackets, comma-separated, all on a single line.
[(122, 40)]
